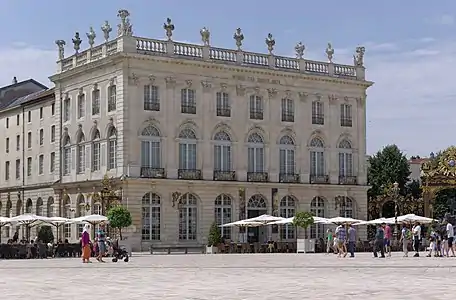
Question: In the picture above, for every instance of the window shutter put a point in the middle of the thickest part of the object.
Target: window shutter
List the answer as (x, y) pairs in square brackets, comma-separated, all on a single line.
[(73, 158)]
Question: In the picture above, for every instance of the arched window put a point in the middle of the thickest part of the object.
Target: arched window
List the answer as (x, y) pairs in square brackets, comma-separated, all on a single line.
[(96, 206), (112, 148), (345, 207), (317, 157), (96, 157), (317, 208), (188, 217), (9, 214), (80, 152), (187, 150), (222, 151), (50, 207), (151, 217), (67, 214), (66, 155), (18, 207), (28, 206), (345, 159), (150, 150), (287, 155), (223, 214), (80, 212), (39, 207), (1, 210), (257, 202), (255, 153), (287, 209)]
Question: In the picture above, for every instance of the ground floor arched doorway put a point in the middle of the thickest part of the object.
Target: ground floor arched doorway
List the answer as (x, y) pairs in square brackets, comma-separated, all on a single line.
[(256, 206)]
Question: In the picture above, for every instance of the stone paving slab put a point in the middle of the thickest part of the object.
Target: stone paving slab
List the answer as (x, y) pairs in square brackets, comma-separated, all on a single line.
[(231, 277)]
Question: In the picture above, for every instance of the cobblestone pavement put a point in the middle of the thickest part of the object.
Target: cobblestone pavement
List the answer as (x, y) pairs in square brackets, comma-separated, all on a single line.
[(231, 277)]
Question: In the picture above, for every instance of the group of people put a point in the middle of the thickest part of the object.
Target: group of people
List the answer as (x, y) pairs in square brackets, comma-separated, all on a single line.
[(338, 241), (87, 245)]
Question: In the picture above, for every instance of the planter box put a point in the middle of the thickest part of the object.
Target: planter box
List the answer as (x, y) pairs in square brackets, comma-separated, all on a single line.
[(211, 250), (305, 246)]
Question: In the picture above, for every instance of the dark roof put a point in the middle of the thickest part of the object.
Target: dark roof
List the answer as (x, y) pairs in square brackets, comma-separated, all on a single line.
[(10, 94), (22, 83), (31, 98)]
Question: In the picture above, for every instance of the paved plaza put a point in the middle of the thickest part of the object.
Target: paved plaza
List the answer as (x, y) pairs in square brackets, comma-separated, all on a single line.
[(231, 277)]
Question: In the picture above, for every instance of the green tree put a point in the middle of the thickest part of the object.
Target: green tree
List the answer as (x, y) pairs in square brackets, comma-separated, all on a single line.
[(45, 234), (445, 202), (215, 236), (303, 219), (119, 217), (413, 189), (386, 167)]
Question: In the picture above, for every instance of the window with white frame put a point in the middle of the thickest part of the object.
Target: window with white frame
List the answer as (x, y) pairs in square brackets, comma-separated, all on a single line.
[(223, 104), (255, 153), (188, 217), (29, 140), (287, 155), (317, 209), (18, 142), (112, 148), (7, 145), (29, 166), (222, 151), (188, 101), (39, 207), (81, 212), (287, 209), (318, 116), (18, 168), (317, 157), (52, 133), (41, 137), (66, 109), (29, 116), (41, 113), (81, 105), (96, 155), (52, 162), (150, 148), (256, 107), (80, 153), (151, 217), (345, 159), (95, 102), (346, 115), (187, 149), (67, 214), (7, 170), (151, 98), (287, 110), (346, 207), (66, 156), (112, 98), (223, 212), (50, 207), (41, 164)]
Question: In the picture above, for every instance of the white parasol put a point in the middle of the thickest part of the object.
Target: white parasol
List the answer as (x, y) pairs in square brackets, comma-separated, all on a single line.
[(410, 218), (376, 221), (317, 220), (27, 219), (242, 223), (264, 219), (91, 219), (342, 220)]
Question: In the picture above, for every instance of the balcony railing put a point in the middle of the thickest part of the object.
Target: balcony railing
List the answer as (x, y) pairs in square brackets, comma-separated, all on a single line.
[(319, 179), (225, 175), (256, 115), (189, 174), (152, 106), (150, 172), (287, 117), (223, 112), (318, 119), (257, 176), (289, 178), (348, 180), (188, 109), (346, 122)]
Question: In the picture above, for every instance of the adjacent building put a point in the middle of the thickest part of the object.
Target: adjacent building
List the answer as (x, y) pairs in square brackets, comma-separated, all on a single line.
[(195, 134)]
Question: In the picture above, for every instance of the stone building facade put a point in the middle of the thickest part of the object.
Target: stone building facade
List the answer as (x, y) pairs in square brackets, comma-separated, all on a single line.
[(194, 134)]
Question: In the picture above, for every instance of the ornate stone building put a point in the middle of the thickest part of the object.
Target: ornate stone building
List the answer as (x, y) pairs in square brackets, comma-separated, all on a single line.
[(194, 134)]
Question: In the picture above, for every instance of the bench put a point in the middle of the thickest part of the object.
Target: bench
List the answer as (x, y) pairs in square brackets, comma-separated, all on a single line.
[(178, 248)]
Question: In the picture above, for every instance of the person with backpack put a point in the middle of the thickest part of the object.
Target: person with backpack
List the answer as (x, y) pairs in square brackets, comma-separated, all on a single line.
[(406, 236)]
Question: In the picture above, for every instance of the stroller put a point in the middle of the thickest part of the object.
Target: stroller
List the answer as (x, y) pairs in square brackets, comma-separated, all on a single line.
[(118, 252)]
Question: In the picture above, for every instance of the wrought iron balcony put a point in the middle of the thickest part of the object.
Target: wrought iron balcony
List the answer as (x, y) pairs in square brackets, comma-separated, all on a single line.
[(289, 178), (153, 106), (318, 119), (256, 115), (188, 109), (225, 175), (257, 176), (319, 179), (150, 172), (189, 174), (346, 122), (223, 112), (348, 180), (287, 117)]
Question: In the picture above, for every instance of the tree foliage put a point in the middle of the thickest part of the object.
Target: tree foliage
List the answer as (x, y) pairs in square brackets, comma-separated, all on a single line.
[(445, 202), (215, 236), (45, 234), (119, 217), (386, 167), (303, 219)]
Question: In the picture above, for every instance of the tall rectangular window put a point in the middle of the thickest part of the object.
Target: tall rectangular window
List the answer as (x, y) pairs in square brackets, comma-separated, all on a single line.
[(18, 169), (318, 117), (95, 102), (66, 110), (18, 142), (52, 162), (287, 110), (52, 133), (112, 98), (81, 106), (256, 107), (346, 115), (188, 101), (41, 137), (7, 170), (7, 145), (151, 98), (29, 166), (223, 104), (29, 140), (41, 164)]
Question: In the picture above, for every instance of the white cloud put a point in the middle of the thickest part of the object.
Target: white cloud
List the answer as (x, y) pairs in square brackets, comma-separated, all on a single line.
[(446, 20)]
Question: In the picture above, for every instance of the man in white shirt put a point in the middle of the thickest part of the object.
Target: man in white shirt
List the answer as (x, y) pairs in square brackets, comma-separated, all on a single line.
[(450, 235), (416, 231)]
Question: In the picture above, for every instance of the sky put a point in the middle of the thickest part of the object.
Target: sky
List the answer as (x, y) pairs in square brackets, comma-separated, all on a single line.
[(410, 48)]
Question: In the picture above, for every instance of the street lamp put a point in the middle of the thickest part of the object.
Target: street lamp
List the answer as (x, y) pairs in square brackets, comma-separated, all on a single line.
[(396, 195)]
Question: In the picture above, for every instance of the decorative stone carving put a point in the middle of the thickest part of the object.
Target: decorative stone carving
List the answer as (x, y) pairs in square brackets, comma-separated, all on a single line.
[(205, 36), (77, 42), (169, 28), (152, 79), (124, 28), (272, 93), (170, 82), (112, 81), (91, 35), (361, 101), (256, 90), (61, 46), (175, 198), (240, 90), (288, 94), (106, 28), (188, 83), (133, 79), (332, 99), (238, 37), (346, 99), (67, 95), (358, 58), (270, 42), (303, 96), (223, 87), (299, 49), (80, 91), (330, 52), (207, 85), (318, 96)]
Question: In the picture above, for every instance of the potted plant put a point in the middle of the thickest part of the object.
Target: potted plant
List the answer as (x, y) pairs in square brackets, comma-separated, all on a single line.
[(214, 239), (304, 219)]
